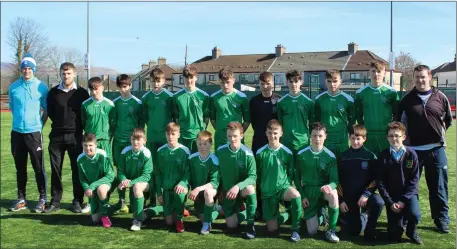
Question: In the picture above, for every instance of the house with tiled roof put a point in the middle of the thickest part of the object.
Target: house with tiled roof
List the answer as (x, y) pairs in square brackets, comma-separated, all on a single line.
[(445, 74), (353, 63), (142, 80)]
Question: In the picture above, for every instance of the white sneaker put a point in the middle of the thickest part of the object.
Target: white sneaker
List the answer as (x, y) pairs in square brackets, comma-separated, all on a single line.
[(330, 235), (86, 209), (206, 228), (136, 225)]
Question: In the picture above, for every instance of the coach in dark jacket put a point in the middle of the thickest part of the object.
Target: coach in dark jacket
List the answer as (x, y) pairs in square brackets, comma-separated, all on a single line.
[(64, 107), (427, 115)]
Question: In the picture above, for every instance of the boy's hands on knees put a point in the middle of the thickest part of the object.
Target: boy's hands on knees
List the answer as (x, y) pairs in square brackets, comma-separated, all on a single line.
[(194, 193), (124, 184), (179, 189), (305, 202), (395, 208), (362, 201), (344, 207), (88, 192), (233, 192), (326, 189), (160, 200)]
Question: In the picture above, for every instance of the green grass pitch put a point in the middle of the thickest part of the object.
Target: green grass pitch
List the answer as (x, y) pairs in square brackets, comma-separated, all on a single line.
[(65, 229)]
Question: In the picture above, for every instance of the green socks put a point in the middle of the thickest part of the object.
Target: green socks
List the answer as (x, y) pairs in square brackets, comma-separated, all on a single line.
[(153, 211), (179, 204), (209, 214), (251, 206), (138, 210), (333, 217), (297, 212), (104, 207)]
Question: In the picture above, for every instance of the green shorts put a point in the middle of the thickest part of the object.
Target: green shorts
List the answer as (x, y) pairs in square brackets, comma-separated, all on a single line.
[(316, 201), (118, 147), (231, 207), (169, 205), (270, 205), (376, 142), (105, 145), (191, 144)]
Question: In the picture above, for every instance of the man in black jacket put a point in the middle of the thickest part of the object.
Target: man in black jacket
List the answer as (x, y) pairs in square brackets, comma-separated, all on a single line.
[(427, 114), (64, 108)]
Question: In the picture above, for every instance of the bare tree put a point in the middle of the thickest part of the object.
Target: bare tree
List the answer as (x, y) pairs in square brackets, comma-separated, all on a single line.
[(26, 36), (405, 63), (57, 56)]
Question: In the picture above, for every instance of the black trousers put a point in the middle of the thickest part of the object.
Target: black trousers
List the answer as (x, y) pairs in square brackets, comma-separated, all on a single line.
[(23, 145), (58, 144)]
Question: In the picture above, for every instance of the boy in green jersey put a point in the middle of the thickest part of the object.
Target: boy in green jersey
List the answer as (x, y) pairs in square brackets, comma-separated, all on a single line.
[(96, 175), (335, 109), (316, 178), (127, 116), (226, 105), (237, 170), (97, 115), (295, 112), (275, 170), (375, 106), (204, 179), (134, 172), (191, 109), (172, 178)]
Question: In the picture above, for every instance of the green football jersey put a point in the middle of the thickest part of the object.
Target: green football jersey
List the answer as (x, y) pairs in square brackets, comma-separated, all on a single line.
[(204, 171), (236, 167), (315, 169), (98, 118), (94, 171), (296, 115), (376, 107), (274, 168), (135, 166), (128, 115), (190, 111), (172, 167), (337, 114), (157, 113), (225, 108)]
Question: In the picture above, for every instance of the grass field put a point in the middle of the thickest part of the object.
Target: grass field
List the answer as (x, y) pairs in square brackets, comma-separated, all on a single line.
[(65, 229)]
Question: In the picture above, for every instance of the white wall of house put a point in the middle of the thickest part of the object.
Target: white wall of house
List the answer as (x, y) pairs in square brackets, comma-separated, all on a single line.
[(449, 76)]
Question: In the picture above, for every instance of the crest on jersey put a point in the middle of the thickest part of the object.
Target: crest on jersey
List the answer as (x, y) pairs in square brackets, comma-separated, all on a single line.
[(383, 99), (140, 163), (179, 160), (322, 164), (164, 103), (409, 164), (234, 105), (240, 164), (364, 165), (300, 106), (131, 109), (340, 107), (103, 110)]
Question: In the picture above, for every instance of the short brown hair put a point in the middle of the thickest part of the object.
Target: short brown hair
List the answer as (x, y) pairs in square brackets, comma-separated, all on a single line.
[(89, 137), (330, 74), (273, 124), (157, 74), (318, 126), (233, 126), (125, 78), (172, 127), (422, 67), (265, 77), (138, 133), (358, 130), (293, 76), (95, 81), (378, 65), (205, 136), (395, 125), (189, 72), (67, 66), (225, 74)]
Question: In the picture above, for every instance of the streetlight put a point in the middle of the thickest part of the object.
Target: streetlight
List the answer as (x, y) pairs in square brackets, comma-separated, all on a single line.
[(391, 57), (87, 62)]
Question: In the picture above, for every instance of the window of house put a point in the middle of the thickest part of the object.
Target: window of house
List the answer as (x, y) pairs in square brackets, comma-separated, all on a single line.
[(212, 77), (256, 76), (314, 79), (354, 76), (181, 80)]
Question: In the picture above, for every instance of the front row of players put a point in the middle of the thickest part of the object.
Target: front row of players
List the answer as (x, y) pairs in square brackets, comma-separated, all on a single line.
[(230, 175)]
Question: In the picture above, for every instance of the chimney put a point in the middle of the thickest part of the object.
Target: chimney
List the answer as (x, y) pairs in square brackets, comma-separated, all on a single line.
[(144, 67), (161, 61), (152, 63), (352, 48), (280, 50), (216, 53)]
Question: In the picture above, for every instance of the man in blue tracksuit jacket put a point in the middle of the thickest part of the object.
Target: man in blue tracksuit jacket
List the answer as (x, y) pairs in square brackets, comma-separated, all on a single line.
[(27, 97)]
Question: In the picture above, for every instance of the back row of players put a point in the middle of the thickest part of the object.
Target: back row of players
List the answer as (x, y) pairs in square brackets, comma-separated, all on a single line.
[(375, 106)]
